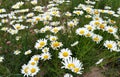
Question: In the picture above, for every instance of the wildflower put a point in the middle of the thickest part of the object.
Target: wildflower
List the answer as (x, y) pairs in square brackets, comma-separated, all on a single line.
[(72, 64), (35, 58), (40, 43), (33, 70), (56, 44), (45, 56), (46, 49), (97, 38), (111, 29), (112, 45), (64, 53), (81, 31), (17, 52)]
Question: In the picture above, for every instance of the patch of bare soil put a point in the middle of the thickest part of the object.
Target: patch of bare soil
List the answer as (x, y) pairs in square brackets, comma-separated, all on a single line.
[(95, 72)]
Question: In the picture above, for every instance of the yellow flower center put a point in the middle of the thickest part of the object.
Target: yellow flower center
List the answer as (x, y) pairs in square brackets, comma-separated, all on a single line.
[(76, 69), (18, 27), (42, 43), (110, 30), (32, 63), (33, 70), (82, 32), (56, 44), (46, 57), (36, 59), (109, 45), (71, 65), (65, 54), (97, 23), (96, 39), (102, 26), (88, 34), (89, 28)]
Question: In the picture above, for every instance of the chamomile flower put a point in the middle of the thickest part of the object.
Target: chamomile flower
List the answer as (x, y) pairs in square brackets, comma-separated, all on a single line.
[(56, 29), (35, 58), (18, 26), (33, 70), (112, 45), (81, 31), (45, 56), (68, 14), (65, 53), (46, 49), (40, 43), (111, 29), (17, 52), (73, 64), (78, 12), (25, 69), (56, 44), (90, 27), (89, 34), (33, 63), (53, 38), (97, 38)]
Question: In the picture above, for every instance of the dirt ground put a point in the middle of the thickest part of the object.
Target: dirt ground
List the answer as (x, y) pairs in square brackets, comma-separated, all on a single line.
[(95, 72)]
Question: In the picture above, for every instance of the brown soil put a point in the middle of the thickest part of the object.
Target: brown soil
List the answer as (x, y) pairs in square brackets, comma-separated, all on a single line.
[(95, 72)]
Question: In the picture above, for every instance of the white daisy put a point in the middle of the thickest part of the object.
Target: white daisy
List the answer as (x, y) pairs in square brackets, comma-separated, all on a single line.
[(112, 45), (56, 44), (64, 53), (40, 43), (45, 56)]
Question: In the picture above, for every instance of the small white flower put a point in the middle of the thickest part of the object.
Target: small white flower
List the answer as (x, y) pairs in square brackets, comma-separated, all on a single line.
[(17, 52), (1, 58)]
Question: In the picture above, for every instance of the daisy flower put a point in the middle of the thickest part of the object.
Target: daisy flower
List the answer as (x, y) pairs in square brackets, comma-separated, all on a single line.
[(64, 53), (53, 38), (72, 64), (45, 56), (81, 31), (35, 58), (46, 49), (40, 43), (97, 38), (33, 70), (33, 63), (112, 45), (78, 12), (17, 52), (25, 69), (56, 44), (19, 26), (111, 29)]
